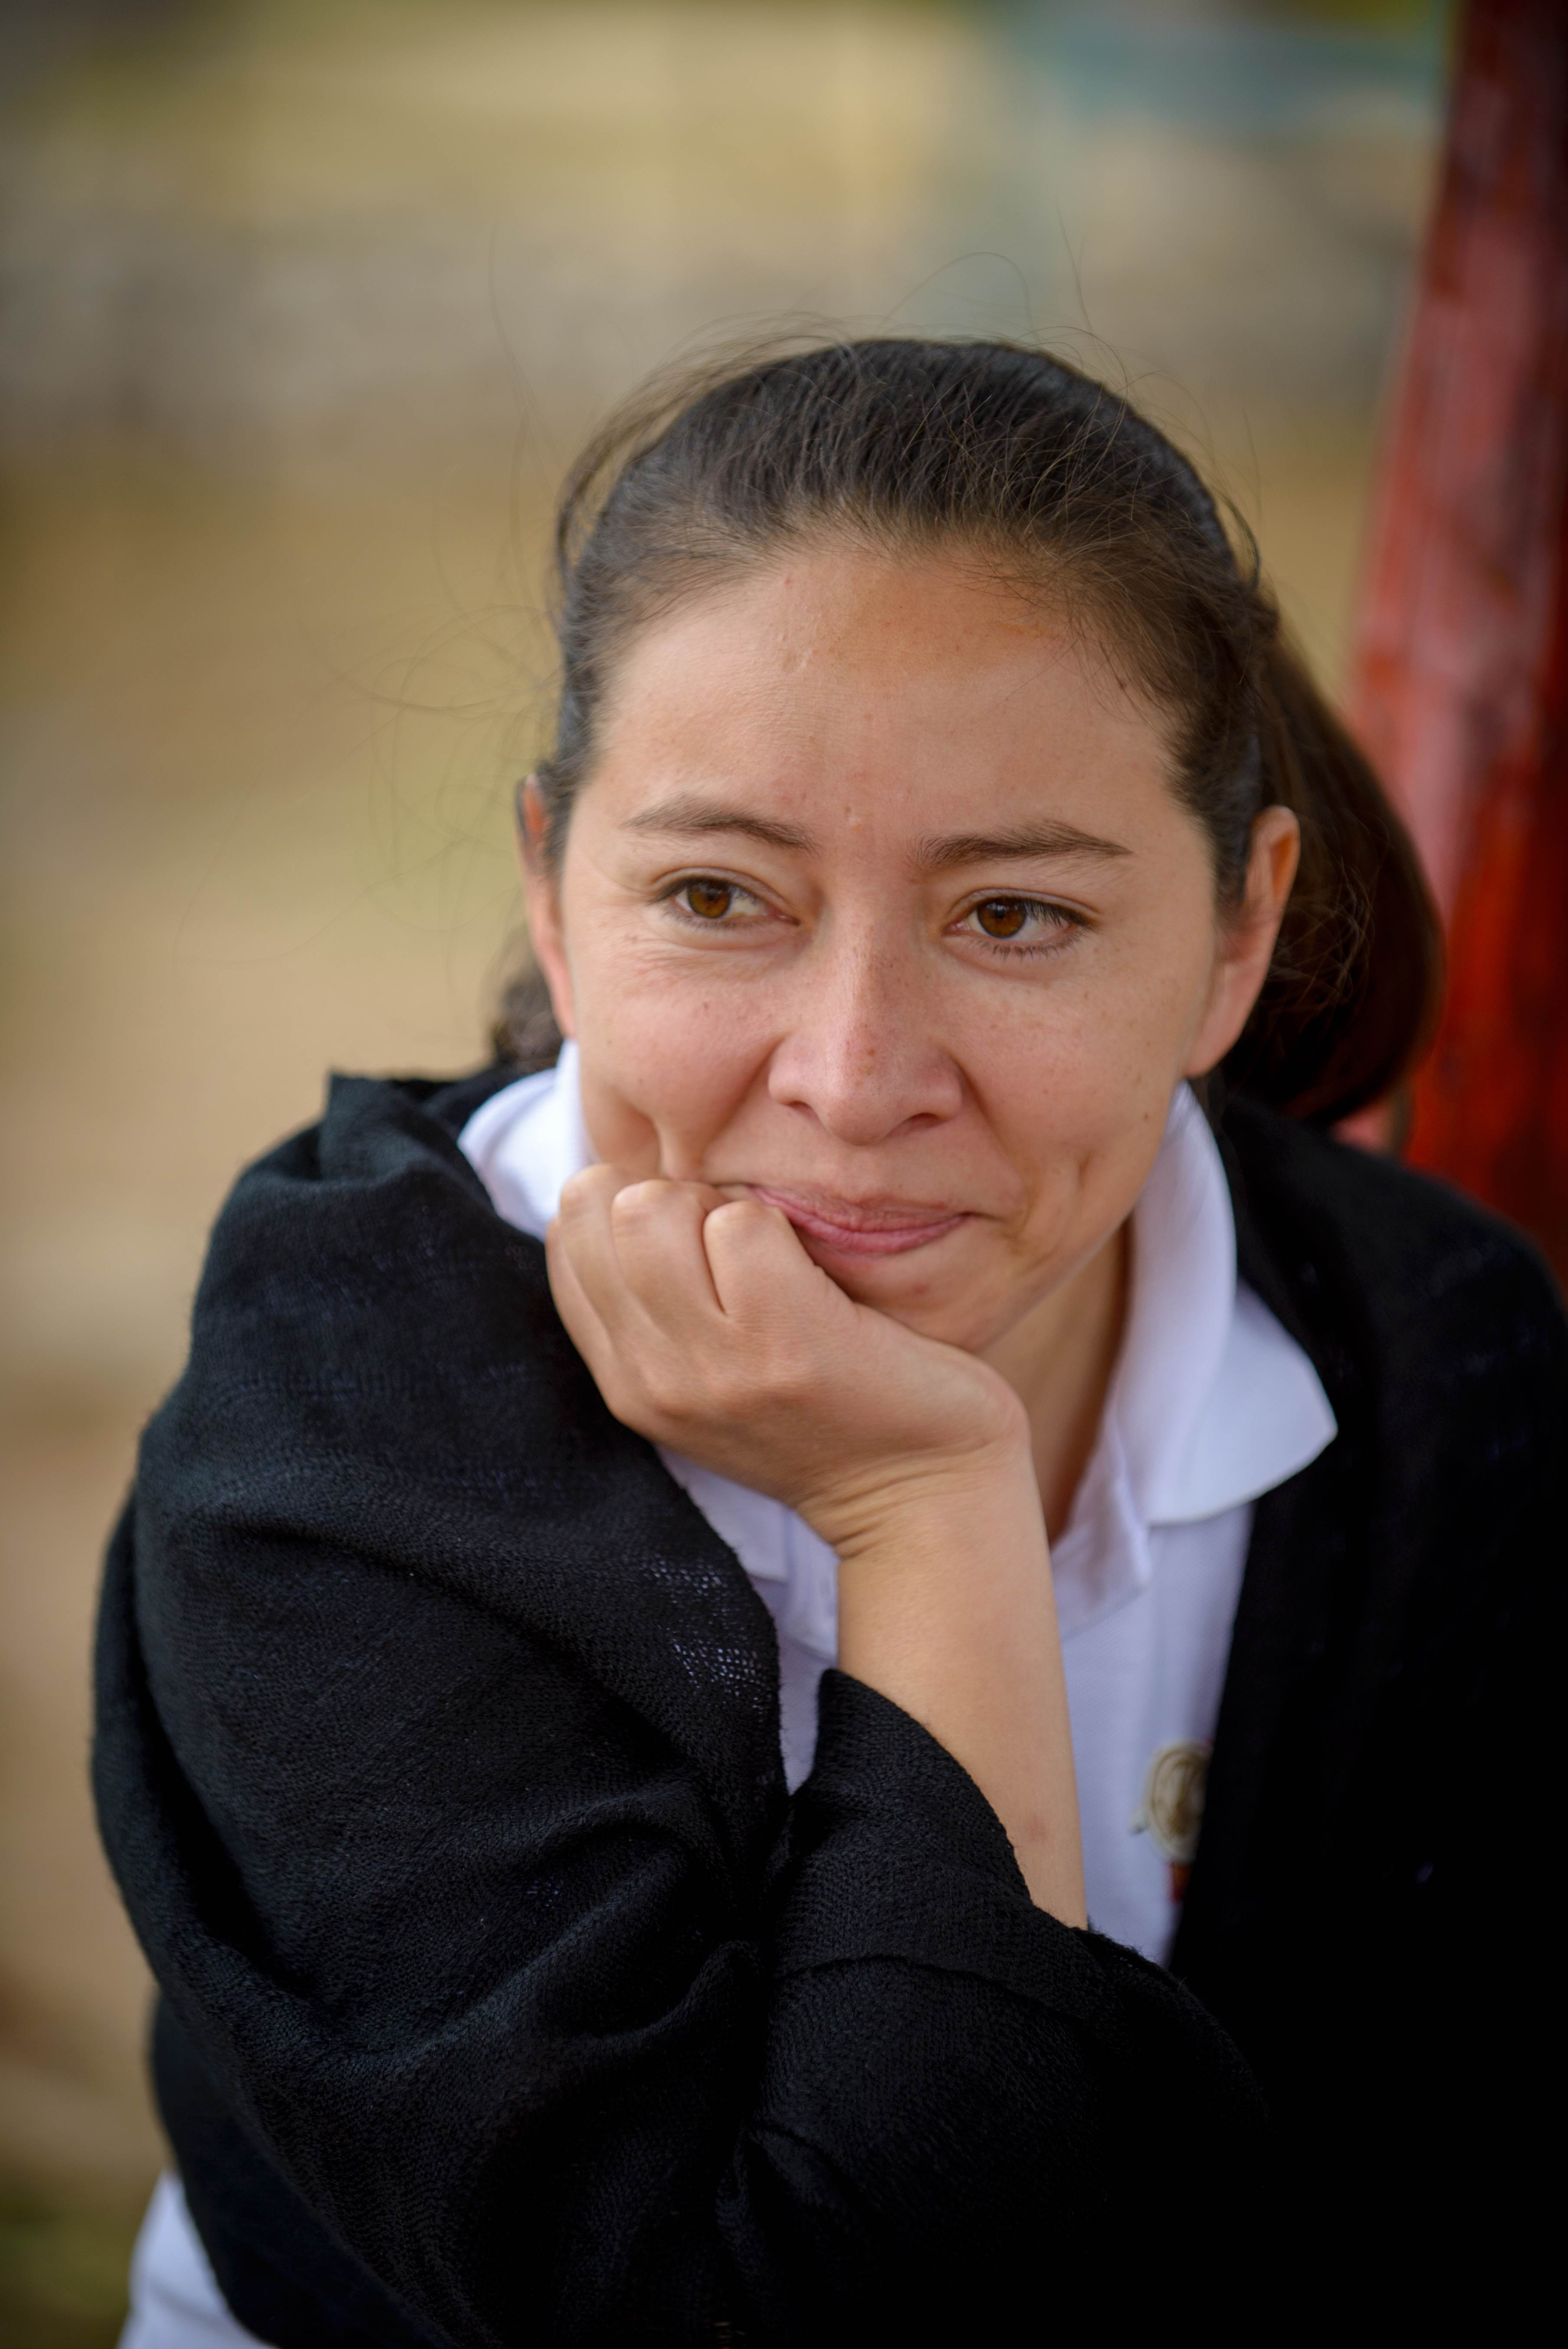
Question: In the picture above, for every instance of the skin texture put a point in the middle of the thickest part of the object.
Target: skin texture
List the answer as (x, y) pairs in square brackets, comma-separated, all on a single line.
[(885, 941)]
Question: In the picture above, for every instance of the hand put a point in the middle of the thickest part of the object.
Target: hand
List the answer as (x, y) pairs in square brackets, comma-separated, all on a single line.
[(708, 1328)]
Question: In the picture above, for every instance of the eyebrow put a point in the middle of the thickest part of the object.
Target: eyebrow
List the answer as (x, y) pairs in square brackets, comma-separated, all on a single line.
[(936, 855), (690, 817)]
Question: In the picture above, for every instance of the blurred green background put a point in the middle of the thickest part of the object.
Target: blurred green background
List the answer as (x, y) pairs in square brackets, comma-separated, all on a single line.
[(304, 308)]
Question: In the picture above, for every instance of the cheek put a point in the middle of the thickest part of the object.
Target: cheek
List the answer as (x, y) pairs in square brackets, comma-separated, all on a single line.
[(665, 1066), (1091, 1080), (1079, 1103)]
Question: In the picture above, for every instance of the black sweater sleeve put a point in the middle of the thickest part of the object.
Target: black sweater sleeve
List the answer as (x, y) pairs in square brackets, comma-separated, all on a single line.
[(437, 1761)]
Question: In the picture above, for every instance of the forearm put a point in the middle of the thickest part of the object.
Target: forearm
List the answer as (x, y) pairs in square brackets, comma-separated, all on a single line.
[(946, 1607)]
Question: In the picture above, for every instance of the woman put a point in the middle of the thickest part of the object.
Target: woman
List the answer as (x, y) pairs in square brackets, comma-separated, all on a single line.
[(659, 1774)]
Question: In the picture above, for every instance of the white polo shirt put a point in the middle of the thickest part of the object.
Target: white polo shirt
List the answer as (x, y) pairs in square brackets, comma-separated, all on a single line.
[(1212, 1405)]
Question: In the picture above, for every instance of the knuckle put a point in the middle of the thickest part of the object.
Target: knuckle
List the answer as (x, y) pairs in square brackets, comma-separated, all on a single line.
[(636, 1202), (580, 1192), (663, 1396)]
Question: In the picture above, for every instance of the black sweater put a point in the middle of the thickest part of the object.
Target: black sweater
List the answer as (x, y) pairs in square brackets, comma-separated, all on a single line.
[(507, 1996)]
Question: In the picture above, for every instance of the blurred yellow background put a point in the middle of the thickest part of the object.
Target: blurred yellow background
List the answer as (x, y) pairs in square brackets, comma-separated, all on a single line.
[(304, 308)]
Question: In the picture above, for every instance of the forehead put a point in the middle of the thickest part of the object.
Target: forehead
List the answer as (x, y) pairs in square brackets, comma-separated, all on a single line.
[(862, 682)]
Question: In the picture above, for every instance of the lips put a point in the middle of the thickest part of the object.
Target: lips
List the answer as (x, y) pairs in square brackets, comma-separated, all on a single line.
[(861, 1227)]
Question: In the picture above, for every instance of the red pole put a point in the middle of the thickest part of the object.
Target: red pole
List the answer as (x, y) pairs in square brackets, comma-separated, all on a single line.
[(1460, 681)]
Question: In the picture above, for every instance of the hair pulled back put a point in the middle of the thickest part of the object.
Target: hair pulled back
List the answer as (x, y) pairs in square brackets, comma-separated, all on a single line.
[(1058, 484)]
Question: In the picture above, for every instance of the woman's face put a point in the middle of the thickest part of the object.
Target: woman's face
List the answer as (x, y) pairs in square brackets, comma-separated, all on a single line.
[(879, 904)]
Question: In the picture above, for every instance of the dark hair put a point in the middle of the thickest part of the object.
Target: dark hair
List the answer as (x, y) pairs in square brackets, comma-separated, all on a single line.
[(1060, 486)]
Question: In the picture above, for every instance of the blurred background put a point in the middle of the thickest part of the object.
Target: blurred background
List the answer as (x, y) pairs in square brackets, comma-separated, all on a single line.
[(302, 309)]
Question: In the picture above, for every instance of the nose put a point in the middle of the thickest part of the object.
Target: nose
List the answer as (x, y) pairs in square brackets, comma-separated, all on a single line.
[(859, 1055)]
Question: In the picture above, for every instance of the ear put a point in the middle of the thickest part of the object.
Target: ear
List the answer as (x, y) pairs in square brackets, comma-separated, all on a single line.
[(541, 897), (1246, 938)]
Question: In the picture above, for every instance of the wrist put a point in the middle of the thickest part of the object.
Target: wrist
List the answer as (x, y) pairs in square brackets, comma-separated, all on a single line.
[(926, 1502)]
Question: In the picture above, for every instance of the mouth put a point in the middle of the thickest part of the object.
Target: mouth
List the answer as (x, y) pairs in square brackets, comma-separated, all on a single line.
[(849, 1228)]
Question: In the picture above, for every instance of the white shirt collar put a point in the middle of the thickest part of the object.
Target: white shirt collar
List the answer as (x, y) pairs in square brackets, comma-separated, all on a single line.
[(1213, 1403), (527, 1142)]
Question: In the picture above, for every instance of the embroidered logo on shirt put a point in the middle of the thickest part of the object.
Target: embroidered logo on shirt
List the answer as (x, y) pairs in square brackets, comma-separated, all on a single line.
[(1170, 1808)]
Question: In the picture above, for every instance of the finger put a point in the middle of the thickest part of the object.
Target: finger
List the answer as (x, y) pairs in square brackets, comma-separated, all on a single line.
[(583, 1324), (657, 1230), (759, 1269), (585, 1238), (601, 1181), (586, 1192), (607, 1357)]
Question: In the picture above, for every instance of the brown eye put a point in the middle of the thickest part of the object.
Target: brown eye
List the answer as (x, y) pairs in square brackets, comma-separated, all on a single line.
[(1002, 917), (710, 899)]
